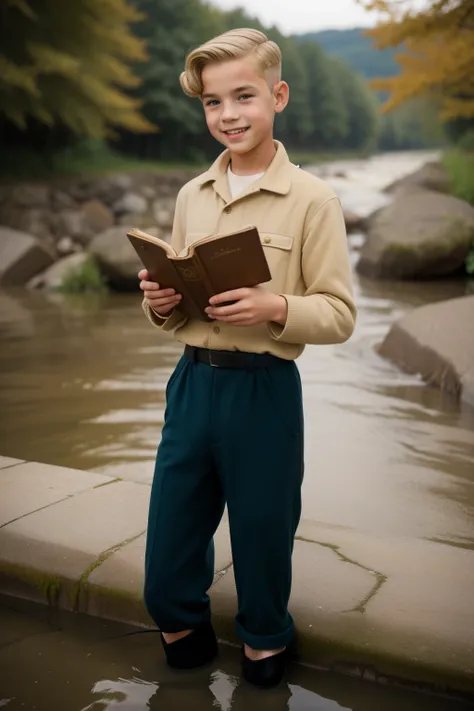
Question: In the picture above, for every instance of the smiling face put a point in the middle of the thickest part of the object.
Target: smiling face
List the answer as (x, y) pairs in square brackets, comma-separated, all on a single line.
[(240, 106)]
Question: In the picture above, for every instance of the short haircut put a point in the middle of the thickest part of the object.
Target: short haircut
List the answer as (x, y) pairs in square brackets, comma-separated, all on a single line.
[(235, 44)]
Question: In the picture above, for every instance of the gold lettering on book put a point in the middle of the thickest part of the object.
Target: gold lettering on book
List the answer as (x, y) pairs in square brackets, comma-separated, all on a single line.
[(224, 252)]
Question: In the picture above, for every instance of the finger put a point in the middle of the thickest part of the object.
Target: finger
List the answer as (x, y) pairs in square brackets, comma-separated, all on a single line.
[(229, 310), (234, 295), (161, 301), (153, 286), (143, 274)]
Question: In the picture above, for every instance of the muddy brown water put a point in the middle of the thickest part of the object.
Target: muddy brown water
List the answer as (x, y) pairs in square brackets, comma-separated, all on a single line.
[(65, 662), (82, 384)]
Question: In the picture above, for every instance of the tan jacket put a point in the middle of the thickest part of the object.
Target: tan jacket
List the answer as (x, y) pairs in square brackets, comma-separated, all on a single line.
[(303, 234)]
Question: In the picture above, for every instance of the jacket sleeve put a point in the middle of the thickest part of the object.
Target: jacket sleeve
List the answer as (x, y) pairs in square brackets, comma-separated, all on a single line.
[(175, 319), (326, 313)]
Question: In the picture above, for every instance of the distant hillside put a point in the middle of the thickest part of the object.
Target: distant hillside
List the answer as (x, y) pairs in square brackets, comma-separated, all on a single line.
[(357, 50)]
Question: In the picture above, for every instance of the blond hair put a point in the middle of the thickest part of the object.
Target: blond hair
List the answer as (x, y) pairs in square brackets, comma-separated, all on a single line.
[(234, 44)]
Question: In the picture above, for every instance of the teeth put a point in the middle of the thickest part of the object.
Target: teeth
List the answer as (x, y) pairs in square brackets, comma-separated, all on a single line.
[(238, 130)]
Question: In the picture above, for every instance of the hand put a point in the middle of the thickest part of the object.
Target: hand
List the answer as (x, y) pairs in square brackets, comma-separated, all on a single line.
[(252, 306), (162, 301)]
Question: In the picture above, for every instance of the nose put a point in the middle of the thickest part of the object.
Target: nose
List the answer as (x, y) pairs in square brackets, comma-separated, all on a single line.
[(229, 111)]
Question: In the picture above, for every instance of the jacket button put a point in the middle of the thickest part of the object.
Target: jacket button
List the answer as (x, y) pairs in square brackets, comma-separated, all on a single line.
[(267, 240), (228, 209), (216, 329)]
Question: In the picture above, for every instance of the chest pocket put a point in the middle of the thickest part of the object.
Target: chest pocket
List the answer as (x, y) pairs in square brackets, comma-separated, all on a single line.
[(278, 249)]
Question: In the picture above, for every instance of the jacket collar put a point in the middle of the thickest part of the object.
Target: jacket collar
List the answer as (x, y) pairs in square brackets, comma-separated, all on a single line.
[(276, 178)]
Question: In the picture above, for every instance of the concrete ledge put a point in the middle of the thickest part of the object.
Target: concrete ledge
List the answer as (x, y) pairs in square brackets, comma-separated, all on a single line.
[(379, 608)]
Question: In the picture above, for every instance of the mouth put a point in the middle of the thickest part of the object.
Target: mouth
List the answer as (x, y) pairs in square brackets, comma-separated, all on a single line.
[(236, 131)]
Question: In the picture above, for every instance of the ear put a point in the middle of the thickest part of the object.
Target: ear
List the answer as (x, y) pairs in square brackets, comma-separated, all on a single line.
[(281, 96)]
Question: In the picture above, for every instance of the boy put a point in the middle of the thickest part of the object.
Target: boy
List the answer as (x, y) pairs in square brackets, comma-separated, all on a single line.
[(233, 430)]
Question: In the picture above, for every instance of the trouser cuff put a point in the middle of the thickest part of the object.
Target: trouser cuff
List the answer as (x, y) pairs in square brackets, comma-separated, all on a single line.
[(269, 641)]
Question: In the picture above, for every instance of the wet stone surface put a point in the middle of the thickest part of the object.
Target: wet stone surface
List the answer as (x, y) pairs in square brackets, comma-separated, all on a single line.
[(51, 661)]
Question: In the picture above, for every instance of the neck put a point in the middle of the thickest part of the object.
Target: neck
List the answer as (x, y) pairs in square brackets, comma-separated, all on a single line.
[(255, 161)]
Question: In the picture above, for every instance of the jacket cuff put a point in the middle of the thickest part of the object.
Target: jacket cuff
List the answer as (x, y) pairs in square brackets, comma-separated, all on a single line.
[(312, 320), (166, 323)]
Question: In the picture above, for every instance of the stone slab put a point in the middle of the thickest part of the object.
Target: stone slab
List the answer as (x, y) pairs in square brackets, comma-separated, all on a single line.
[(47, 552), (435, 341), (114, 589), (27, 487), (329, 585), (377, 607), (9, 462)]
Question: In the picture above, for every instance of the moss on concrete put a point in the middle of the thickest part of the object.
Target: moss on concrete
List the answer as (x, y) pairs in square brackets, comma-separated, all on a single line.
[(46, 584)]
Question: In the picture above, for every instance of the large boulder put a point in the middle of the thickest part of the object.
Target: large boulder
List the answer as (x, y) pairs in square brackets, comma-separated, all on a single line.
[(431, 176), (419, 235), (437, 341), (116, 257), (21, 257), (353, 221)]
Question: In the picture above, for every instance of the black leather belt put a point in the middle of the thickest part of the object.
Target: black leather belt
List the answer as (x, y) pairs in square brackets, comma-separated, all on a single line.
[(231, 359)]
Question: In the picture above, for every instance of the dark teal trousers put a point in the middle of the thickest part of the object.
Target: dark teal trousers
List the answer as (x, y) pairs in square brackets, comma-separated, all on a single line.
[(230, 436)]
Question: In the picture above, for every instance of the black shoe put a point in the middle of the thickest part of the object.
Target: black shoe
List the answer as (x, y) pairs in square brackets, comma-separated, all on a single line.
[(195, 650), (267, 672)]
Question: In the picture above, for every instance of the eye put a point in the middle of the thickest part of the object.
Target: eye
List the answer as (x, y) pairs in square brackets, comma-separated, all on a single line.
[(244, 97), (212, 102)]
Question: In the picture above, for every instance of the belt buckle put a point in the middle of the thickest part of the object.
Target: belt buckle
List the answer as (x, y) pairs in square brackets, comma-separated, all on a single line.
[(214, 365)]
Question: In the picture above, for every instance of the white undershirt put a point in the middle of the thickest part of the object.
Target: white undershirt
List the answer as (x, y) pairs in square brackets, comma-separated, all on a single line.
[(239, 183)]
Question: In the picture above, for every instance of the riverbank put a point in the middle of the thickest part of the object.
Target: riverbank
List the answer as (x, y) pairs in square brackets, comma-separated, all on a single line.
[(377, 607)]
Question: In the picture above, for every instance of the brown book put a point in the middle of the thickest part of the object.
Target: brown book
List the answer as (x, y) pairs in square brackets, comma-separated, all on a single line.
[(209, 266)]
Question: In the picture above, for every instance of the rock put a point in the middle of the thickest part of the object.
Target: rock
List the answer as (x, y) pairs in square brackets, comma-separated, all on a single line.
[(84, 224), (61, 200), (31, 195), (116, 257), (66, 245), (37, 222), (437, 341), (431, 176), (130, 203), (21, 257), (354, 222), (163, 212), (419, 235), (55, 276), (110, 189), (148, 192), (107, 190)]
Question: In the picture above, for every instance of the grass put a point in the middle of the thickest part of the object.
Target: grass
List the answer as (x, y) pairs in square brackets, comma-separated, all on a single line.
[(460, 167), (95, 158), (80, 160), (84, 279)]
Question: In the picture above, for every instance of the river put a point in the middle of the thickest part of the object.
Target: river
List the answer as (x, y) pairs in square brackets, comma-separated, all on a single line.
[(82, 384)]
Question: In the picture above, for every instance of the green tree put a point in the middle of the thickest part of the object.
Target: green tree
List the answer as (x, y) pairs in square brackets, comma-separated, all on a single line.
[(67, 63), (360, 105), (170, 29), (329, 115)]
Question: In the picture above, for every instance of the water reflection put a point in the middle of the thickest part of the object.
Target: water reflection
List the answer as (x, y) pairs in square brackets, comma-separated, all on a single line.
[(51, 661)]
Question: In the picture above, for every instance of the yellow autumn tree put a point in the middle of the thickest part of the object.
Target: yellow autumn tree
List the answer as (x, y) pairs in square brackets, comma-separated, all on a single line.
[(437, 57), (67, 62)]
